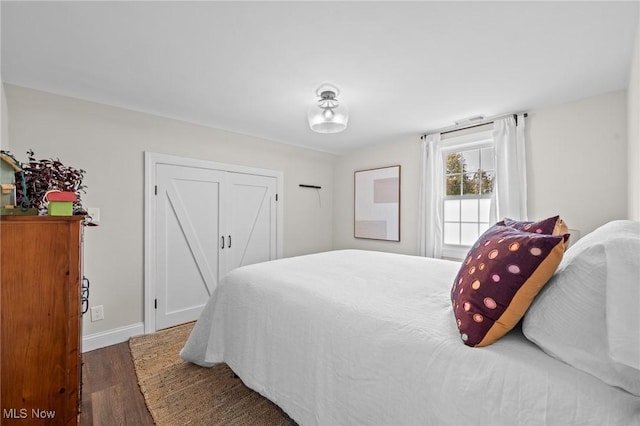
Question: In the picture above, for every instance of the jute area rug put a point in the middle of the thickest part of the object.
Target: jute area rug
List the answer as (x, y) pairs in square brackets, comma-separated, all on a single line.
[(179, 393)]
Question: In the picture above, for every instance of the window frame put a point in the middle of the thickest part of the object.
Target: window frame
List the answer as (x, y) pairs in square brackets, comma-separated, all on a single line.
[(454, 143)]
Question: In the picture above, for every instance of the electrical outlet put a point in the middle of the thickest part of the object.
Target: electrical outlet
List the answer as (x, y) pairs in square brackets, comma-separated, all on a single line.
[(97, 313)]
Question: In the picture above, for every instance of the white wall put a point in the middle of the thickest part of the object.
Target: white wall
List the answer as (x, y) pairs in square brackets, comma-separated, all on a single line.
[(577, 161), (633, 101), (109, 144), (4, 120), (576, 167), (406, 153)]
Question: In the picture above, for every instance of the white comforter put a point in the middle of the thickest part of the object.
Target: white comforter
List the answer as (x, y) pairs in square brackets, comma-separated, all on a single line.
[(356, 337)]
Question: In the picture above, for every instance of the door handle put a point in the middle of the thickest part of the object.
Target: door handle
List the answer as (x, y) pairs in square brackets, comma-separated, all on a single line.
[(229, 241), (222, 247)]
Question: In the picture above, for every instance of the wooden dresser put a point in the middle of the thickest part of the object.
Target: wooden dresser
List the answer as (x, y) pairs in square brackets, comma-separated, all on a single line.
[(40, 319)]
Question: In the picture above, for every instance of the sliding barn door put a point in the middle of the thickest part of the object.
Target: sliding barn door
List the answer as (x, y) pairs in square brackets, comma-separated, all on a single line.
[(205, 222), (252, 220), (188, 227)]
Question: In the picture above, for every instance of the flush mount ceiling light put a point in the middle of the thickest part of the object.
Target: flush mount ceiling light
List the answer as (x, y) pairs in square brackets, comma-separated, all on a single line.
[(327, 115)]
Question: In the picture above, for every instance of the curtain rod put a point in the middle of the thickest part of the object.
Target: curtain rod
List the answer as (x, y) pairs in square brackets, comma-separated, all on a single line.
[(457, 127)]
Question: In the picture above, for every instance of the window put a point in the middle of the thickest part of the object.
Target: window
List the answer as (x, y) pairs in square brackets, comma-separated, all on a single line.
[(469, 176)]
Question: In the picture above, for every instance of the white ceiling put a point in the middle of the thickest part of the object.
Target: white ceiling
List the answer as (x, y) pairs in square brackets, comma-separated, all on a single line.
[(253, 67)]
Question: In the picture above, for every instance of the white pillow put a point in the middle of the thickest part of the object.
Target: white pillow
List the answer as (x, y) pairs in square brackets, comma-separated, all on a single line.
[(586, 315), (623, 301)]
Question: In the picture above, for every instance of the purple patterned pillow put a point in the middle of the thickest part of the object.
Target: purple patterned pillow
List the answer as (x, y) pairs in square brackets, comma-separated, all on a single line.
[(500, 277), (550, 226)]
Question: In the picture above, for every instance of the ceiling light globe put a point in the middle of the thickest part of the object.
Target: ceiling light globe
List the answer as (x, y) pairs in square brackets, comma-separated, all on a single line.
[(328, 115)]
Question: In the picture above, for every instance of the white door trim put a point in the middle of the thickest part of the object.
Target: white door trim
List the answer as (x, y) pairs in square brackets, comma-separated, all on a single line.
[(151, 160)]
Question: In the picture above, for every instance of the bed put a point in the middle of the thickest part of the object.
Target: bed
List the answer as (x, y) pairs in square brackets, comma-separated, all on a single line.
[(352, 337)]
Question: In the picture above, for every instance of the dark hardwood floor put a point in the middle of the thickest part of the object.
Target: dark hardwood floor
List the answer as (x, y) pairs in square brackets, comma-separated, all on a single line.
[(111, 395)]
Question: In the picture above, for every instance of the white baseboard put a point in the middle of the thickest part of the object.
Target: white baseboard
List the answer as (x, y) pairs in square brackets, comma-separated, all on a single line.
[(111, 337)]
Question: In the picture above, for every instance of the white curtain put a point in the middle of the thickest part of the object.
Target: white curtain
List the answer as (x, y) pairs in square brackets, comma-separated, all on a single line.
[(510, 187), (430, 205)]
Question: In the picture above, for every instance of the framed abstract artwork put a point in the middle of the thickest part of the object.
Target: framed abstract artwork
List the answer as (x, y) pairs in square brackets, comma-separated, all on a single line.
[(377, 203)]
